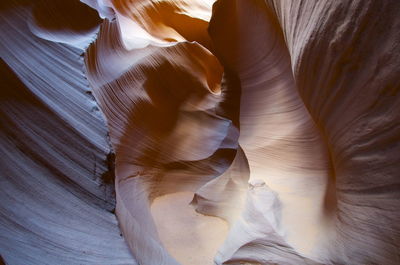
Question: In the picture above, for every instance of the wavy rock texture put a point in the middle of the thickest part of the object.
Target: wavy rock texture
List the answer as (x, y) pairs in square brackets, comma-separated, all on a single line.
[(171, 129), (279, 118), (54, 206), (343, 86)]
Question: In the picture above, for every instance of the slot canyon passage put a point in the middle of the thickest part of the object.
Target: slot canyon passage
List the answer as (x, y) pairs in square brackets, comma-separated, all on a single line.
[(199, 132)]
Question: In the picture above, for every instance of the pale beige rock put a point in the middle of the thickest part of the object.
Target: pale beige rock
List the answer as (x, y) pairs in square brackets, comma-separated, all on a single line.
[(190, 237)]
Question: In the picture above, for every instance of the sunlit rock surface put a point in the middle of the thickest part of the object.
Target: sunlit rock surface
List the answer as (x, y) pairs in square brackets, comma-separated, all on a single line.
[(197, 132)]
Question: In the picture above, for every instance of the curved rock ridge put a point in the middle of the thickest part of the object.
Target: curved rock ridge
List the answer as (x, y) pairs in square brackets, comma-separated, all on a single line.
[(345, 62), (279, 117), (173, 128), (55, 202), (283, 145), (351, 97)]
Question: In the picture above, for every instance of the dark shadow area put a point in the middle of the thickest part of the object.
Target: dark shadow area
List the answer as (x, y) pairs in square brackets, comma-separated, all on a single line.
[(71, 15)]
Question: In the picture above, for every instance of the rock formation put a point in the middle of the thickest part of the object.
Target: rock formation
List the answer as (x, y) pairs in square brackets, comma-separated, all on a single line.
[(196, 132)]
